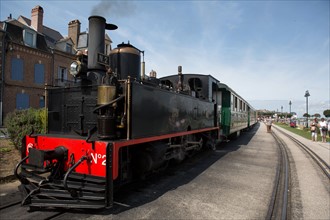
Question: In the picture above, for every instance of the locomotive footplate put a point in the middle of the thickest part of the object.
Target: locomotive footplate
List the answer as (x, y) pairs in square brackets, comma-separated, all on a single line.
[(43, 188)]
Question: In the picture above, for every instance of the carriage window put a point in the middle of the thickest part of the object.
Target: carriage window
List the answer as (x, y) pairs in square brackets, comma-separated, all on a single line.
[(232, 102), (167, 83), (195, 85)]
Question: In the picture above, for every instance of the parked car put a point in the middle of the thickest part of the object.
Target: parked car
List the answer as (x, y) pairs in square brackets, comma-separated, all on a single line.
[(293, 123)]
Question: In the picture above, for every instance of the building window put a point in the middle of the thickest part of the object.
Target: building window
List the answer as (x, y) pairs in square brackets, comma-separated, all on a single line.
[(39, 73), (17, 69), (68, 48), (83, 41), (30, 38), (42, 101), (22, 101), (107, 49), (62, 74)]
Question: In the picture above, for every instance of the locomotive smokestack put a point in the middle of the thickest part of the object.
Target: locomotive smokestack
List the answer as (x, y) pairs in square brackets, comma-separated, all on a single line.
[(95, 41)]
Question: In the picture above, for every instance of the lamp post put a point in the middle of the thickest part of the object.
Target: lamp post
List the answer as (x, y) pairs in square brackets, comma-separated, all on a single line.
[(290, 103), (307, 95), (2, 70)]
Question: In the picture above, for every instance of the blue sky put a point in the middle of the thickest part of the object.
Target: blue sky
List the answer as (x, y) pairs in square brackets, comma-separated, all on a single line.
[(270, 52)]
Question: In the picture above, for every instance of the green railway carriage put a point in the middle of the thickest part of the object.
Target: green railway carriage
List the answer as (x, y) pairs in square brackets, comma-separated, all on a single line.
[(236, 113)]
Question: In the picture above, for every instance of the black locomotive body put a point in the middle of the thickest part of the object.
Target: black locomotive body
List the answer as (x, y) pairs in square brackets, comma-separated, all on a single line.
[(114, 125)]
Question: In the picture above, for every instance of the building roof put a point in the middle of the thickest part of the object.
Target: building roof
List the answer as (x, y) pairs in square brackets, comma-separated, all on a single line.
[(51, 35), (15, 30)]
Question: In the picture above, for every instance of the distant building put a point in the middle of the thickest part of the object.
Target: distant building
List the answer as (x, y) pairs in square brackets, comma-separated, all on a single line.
[(80, 39), (33, 56)]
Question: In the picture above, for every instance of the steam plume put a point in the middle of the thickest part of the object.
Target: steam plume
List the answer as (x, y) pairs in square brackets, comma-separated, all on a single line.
[(114, 8)]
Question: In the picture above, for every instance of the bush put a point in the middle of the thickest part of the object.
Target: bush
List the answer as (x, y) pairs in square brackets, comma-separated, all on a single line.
[(22, 122)]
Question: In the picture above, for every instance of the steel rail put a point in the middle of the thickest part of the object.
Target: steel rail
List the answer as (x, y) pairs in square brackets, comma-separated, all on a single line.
[(10, 205), (279, 201), (56, 215), (319, 161)]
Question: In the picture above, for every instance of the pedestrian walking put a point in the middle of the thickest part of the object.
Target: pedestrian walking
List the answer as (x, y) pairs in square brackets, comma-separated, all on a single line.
[(329, 128), (269, 124), (314, 131), (323, 129)]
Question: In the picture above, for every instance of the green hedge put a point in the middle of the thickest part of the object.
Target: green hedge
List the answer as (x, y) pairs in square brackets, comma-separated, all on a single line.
[(21, 122)]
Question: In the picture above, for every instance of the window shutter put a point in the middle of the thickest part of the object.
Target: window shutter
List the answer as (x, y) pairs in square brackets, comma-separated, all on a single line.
[(22, 101), (39, 73), (17, 69)]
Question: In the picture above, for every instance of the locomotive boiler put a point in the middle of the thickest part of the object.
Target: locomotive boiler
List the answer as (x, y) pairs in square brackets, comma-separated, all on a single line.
[(114, 125)]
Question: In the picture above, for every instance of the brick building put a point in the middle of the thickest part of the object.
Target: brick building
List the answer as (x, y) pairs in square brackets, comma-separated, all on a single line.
[(33, 56)]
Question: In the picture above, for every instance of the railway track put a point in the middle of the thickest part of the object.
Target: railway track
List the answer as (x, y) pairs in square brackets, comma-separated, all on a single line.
[(11, 204), (140, 190), (299, 202), (324, 166), (279, 206), (14, 210)]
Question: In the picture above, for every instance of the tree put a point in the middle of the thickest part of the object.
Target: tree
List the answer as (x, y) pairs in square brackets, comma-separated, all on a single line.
[(326, 113), (317, 115), (22, 122), (289, 115), (306, 115)]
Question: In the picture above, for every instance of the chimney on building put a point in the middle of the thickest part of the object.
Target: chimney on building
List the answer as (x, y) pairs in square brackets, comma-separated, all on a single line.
[(74, 31), (37, 15)]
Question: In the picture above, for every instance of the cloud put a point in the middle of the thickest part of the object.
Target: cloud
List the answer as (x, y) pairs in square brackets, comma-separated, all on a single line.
[(269, 50)]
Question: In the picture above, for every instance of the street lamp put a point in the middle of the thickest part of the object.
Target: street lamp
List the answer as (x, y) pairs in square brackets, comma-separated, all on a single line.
[(307, 95), (290, 103), (2, 70)]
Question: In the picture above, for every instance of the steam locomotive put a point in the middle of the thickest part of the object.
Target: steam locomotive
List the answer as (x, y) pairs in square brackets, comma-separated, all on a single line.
[(117, 124)]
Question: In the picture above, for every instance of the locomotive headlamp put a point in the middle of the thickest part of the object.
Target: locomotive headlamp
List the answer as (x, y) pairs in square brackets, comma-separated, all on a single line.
[(75, 68)]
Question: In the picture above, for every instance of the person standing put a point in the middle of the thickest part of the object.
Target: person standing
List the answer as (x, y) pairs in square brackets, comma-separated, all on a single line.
[(323, 129), (314, 131), (329, 128), (269, 124)]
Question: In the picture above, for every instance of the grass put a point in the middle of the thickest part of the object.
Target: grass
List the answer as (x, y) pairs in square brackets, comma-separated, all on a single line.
[(306, 133), (5, 145), (5, 149)]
